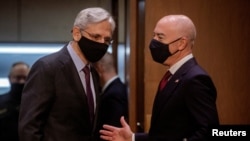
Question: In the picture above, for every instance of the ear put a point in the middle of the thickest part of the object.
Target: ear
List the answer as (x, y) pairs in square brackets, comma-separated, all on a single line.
[(76, 33), (183, 43)]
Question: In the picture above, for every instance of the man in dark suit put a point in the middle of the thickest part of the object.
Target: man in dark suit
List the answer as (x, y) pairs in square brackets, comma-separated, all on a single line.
[(185, 106), (114, 98), (57, 103), (10, 102)]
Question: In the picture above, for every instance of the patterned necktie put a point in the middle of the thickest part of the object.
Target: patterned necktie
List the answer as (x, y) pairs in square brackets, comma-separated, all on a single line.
[(89, 93), (164, 80)]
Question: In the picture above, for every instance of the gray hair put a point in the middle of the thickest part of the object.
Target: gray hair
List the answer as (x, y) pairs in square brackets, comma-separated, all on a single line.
[(93, 15), (107, 61)]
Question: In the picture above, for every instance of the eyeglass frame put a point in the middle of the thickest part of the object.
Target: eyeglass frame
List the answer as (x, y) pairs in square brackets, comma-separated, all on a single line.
[(98, 37)]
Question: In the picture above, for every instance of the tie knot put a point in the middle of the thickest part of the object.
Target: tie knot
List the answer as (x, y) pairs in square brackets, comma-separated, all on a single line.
[(168, 74), (164, 80), (86, 69)]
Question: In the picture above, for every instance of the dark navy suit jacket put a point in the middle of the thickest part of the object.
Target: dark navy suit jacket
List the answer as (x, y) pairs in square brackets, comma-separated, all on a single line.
[(54, 104), (185, 108), (114, 103), (9, 113)]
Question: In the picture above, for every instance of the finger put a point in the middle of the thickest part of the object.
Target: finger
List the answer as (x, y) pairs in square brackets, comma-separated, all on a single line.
[(106, 135), (123, 122), (106, 132), (106, 138), (109, 127)]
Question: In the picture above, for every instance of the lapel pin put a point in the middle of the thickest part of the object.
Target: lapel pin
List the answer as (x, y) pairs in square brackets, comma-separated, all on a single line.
[(176, 81)]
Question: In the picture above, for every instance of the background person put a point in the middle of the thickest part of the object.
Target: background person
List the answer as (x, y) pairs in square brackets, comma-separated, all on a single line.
[(185, 107), (55, 105), (114, 97), (10, 102)]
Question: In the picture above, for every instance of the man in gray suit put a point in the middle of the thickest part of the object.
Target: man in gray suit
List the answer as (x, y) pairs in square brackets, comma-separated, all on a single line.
[(55, 105)]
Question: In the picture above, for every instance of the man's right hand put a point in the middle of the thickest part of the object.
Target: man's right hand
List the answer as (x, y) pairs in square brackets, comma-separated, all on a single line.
[(112, 133)]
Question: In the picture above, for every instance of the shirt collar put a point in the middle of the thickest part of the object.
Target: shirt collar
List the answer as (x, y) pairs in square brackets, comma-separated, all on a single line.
[(108, 82), (76, 59), (177, 65)]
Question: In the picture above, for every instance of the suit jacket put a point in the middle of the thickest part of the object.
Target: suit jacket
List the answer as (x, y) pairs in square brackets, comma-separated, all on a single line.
[(54, 104), (9, 113), (114, 104), (185, 108)]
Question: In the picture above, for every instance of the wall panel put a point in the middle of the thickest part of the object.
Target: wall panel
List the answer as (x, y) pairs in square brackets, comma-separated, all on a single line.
[(221, 47), (8, 20), (41, 21)]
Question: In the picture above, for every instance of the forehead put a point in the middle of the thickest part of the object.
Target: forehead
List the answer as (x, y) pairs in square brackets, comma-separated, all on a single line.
[(20, 69), (165, 28)]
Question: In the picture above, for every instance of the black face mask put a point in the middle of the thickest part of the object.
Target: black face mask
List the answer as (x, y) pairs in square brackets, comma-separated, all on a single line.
[(16, 90), (160, 51), (92, 50)]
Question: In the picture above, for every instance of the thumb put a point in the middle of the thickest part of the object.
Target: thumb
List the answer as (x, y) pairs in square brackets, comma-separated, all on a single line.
[(123, 122)]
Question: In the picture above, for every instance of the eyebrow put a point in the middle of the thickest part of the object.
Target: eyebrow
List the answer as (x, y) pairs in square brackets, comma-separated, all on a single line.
[(159, 34)]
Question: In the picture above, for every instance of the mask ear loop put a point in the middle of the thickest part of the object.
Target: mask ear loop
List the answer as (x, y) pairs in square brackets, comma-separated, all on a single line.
[(175, 52), (174, 42)]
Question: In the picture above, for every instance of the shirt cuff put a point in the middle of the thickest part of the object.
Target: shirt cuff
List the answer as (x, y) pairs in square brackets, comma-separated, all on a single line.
[(133, 137)]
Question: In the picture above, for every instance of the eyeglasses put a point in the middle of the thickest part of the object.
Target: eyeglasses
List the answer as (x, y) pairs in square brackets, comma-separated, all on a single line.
[(98, 37)]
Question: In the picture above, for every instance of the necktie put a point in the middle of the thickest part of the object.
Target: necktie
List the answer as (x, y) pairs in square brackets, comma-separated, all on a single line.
[(164, 80), (89, 92)]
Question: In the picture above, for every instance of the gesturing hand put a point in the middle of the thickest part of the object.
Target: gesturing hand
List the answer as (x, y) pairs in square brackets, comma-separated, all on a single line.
[(112, 133)]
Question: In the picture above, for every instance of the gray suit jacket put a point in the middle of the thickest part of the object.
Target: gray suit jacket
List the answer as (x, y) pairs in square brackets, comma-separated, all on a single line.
[(54, 104)]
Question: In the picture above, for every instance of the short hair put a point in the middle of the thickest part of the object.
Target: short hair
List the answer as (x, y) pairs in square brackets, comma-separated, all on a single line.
[(107, 62), (93, 15), (17, 63)]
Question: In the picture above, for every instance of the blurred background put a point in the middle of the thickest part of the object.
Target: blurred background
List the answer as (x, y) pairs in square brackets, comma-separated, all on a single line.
[(30, 29)]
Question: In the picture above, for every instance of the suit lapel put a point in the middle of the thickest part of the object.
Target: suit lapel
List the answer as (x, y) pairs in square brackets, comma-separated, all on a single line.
[(163, 97), (69, 68), (74, 80), (97, 93)]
